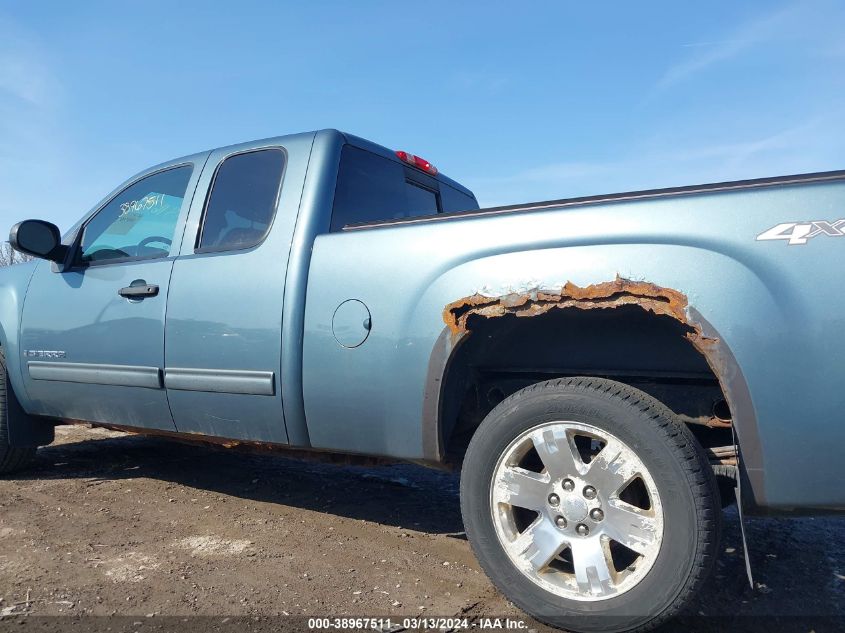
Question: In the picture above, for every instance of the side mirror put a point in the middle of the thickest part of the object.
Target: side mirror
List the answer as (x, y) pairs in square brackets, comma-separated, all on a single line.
[(39, 239)]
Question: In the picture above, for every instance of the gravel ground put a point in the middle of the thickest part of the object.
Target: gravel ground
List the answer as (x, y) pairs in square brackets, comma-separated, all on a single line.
[(107, 523)]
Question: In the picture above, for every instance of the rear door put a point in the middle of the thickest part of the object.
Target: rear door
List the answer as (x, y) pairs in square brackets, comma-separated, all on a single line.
[(223, 331), (92, 335)]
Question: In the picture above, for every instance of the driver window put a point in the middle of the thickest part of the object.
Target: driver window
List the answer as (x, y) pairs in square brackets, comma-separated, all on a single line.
[(140, 221)]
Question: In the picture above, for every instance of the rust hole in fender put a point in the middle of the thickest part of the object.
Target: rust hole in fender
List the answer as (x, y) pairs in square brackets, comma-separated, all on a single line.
[(607, 295), (466, 370), (684, 386), (602, 296)]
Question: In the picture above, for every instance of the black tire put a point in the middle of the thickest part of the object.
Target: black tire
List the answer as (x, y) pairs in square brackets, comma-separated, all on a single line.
[(12, 459), (677, 464)]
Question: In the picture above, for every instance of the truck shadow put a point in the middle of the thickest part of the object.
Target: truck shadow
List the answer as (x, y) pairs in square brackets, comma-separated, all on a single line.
[(391, 495), (798, 563)]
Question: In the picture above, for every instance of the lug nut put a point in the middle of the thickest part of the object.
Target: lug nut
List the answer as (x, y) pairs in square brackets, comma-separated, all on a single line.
[(582, 529), (554, 499), (590, 492), (596, 514), (560, 522), (568, 485)]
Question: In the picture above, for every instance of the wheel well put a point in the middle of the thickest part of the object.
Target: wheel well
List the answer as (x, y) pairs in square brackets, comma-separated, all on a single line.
[(652, 352)]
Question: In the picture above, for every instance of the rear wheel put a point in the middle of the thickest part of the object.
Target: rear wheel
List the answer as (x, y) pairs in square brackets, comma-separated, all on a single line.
[(590, 506), (11, 458)]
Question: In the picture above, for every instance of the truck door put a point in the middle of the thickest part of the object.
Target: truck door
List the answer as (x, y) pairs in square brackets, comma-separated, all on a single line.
[(223, 330), (92, 335)]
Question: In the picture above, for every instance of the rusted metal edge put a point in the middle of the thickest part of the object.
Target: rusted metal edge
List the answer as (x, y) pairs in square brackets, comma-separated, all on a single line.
[(609, 294), (252, 446)]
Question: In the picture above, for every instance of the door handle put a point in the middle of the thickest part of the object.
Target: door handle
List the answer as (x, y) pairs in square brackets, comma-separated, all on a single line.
[(139, 289)]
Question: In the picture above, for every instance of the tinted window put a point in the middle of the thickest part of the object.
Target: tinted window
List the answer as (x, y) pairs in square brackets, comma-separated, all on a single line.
[(454, 200), (243, 200), (371, 187), (140, 221), (421, 201)]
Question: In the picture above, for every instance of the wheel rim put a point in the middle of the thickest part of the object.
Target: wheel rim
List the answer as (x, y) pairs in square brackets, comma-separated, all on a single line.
[(576, 510)]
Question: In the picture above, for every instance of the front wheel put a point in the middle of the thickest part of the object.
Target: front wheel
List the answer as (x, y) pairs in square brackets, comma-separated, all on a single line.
[(590, 506), (12, 458)]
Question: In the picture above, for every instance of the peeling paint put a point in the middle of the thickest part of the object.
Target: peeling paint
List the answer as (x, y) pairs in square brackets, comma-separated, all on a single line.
[(536, 301)]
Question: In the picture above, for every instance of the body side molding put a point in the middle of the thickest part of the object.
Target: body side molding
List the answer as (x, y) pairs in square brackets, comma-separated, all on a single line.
[(258, 383), (91, 373)]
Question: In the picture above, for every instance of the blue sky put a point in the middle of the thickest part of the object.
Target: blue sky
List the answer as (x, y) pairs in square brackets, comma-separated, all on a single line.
[(519, 101)]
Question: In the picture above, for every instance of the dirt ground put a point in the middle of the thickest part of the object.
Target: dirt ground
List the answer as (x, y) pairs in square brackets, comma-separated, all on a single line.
[(108, 523)]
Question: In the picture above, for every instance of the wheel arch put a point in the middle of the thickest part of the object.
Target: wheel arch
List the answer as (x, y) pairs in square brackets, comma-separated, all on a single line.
[(11, 305), (24, 431), (643, 310)]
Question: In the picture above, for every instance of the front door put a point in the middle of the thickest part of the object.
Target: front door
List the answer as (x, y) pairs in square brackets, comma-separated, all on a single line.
[(93, 334)]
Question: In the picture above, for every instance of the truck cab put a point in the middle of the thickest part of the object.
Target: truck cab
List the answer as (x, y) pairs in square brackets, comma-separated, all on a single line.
[(179, 292)]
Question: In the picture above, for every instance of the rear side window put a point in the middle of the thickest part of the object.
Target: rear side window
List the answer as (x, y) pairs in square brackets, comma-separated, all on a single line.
[(243, 200), (371, 187)]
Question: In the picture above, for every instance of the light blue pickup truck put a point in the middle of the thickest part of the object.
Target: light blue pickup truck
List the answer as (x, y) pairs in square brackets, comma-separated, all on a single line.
[(605, 371)]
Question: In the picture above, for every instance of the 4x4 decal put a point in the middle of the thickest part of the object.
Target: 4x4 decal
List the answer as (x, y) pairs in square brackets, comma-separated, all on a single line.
[(799, 232)]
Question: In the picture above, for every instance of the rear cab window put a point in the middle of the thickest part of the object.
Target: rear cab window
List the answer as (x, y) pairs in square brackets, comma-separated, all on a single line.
[(372, 188), (455, 200)]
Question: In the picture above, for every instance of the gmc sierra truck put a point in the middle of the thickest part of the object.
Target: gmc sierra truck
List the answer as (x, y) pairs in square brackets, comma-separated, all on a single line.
[(607, 371)]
